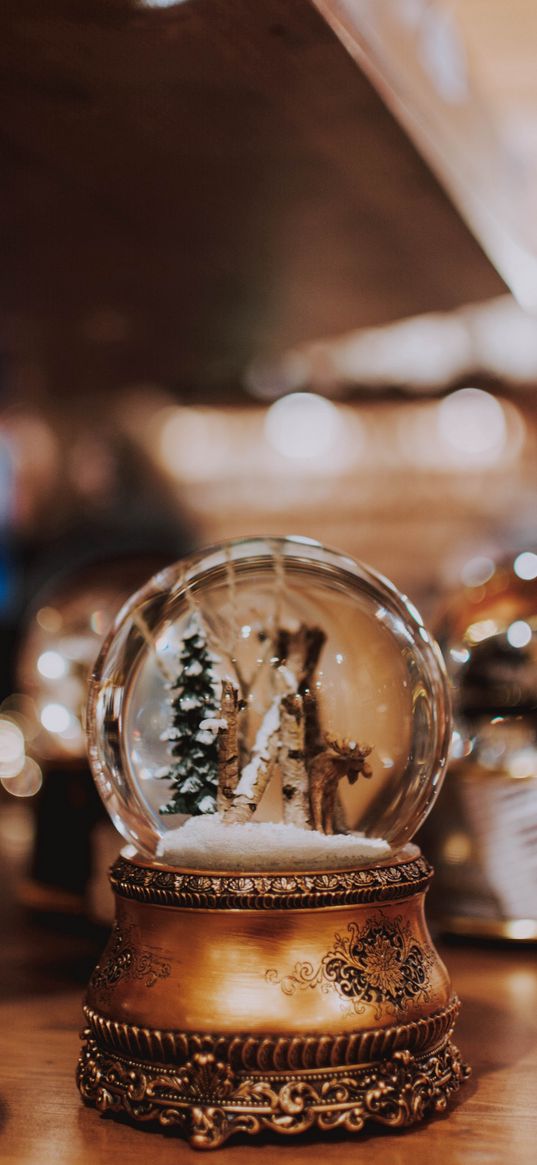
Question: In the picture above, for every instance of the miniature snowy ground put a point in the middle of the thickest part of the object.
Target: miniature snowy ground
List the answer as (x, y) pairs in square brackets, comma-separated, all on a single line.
[(206, 843)]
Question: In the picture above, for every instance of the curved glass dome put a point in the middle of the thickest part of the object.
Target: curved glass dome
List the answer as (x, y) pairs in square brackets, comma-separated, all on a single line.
[(268, 680), (488, 633), (57, 650)]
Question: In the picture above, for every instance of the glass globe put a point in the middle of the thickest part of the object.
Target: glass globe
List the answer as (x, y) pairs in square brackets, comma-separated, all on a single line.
[(58, 647), (262, 684), (481, 840), (488, 634)]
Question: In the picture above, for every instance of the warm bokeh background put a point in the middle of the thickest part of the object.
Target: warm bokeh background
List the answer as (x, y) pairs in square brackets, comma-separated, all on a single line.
[(241, 292), (268, 266), (249, 285)]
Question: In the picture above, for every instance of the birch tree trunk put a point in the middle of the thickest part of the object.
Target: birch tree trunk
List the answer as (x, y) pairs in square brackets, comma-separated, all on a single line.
[(301, 650), (228, 748), (295, 786), (257, 773), (298, 652)]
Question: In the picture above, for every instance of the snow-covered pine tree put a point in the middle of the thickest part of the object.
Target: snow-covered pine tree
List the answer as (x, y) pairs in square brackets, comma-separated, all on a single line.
[(193, 734)]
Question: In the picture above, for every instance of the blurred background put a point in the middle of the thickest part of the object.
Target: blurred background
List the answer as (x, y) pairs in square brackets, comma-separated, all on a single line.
[(269, 268)]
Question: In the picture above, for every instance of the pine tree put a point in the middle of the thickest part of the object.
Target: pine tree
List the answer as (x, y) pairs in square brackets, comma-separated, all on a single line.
[(194, 732)]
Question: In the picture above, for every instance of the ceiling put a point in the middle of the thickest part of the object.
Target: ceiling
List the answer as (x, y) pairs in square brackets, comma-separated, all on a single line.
[(191, 187), (459, 75)]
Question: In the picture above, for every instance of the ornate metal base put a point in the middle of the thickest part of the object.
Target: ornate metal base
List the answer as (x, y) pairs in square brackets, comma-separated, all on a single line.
[(361, 1006), (207, 1101)]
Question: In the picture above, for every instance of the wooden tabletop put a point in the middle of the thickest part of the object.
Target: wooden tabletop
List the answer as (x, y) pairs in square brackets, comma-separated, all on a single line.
[(43, 1120)]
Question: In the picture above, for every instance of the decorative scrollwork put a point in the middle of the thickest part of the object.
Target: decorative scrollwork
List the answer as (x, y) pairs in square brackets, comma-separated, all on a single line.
[(207, 1102), (284, 1052), (124, 958), (379, 964), (192, 890), (204, 1076)]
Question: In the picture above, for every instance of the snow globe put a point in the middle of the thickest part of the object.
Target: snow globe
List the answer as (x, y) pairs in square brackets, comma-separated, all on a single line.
[(268, 727), (482, 841)]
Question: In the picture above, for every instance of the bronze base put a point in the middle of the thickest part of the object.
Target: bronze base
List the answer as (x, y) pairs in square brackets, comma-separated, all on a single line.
[(360, 1005), (207, 1102)]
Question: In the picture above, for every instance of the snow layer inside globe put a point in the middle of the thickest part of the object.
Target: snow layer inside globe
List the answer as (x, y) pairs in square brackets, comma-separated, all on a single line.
[(277, 720)]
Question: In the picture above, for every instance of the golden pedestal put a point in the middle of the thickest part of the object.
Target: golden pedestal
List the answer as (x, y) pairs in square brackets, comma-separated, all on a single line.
[(229, 1003)]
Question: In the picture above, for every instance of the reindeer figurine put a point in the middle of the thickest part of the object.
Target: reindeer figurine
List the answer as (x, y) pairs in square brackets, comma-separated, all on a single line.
[(339, 758)]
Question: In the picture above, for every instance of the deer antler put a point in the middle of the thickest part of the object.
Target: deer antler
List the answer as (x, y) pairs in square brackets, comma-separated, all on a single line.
[(346, 749), (340, 758)]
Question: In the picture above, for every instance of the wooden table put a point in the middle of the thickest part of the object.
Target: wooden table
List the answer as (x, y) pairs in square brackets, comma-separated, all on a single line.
[(43, 1120)]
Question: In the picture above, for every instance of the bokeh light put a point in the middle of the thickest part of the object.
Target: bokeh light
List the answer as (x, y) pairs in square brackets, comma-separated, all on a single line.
[(519, 634), (302, 425), (51, 665), (27, 782), (12, 749), (55, 718), (477, 571), (472, 422), (525, 565)]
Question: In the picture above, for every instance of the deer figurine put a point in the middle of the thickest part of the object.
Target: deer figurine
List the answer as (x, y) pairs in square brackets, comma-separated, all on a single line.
[(338, 759)]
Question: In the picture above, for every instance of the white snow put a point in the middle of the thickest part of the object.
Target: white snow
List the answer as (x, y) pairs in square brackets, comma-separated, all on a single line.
[(189, 702), (260, 752), (207, 843), (204, 737), (191, 785), (288, 677), (193, 669), (213, 724), (206, 805)]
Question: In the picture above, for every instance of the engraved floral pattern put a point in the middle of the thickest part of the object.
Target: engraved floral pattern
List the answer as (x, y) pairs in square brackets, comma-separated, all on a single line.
[(124, 958), (268, 891), (382, 967), (379, 964)]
